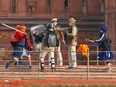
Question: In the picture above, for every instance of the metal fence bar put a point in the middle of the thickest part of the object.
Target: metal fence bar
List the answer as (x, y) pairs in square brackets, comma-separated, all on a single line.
[(63, 72)]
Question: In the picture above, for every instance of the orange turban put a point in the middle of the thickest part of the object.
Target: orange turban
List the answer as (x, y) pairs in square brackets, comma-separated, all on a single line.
[(21, 27)]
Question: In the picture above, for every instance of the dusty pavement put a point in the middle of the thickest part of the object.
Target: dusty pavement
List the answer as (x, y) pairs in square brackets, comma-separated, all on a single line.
[(56, 81)]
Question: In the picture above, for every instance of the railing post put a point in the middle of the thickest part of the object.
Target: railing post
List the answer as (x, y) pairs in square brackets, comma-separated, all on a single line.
[(88, 64), (39, 64), (2, 51), (97, 55)]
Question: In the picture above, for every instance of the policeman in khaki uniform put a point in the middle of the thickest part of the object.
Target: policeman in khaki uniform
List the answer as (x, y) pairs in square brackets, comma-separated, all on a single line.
[(60, 36), (72, 42)]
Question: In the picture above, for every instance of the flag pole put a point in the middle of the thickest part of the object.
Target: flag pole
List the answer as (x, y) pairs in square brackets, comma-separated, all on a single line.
[(87, 59), (88, 64)]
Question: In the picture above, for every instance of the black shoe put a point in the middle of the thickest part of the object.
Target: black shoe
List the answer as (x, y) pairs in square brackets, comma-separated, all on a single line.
[(30, 67), (72, 67), (7, 65)]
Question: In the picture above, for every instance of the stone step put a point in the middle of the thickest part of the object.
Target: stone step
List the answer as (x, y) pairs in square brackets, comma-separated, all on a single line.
[(22, 72), (61, 67), (58, 75), (82, 23)]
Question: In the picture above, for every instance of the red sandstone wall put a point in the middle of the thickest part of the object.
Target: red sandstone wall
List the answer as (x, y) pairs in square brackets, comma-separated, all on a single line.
[(110, 20), (57, 8)]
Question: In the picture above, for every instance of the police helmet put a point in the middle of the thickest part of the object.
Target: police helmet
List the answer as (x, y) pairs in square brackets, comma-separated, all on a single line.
[(50, 26)]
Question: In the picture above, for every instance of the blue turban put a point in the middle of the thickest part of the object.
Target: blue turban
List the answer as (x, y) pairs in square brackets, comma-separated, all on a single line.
[(22, 24), (103, 28)]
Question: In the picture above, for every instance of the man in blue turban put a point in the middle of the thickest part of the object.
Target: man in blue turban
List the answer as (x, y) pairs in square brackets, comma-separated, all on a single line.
[(104, 43)]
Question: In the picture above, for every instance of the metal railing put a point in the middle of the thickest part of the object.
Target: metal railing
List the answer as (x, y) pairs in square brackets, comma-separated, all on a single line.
[(5, 55)]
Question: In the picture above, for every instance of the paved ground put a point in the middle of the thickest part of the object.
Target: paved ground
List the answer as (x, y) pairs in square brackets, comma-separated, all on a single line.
[(52, 81), (62, 71)]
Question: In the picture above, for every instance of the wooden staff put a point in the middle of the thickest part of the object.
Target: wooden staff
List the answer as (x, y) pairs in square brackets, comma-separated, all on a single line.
[(11, 27)]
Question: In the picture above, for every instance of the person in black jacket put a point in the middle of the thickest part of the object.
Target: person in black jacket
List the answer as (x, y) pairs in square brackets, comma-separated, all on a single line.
[(104, 43), (49, 41)]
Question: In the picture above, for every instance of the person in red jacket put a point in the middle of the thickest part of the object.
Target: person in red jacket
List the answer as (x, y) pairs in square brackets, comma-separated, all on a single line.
[(22, 46)]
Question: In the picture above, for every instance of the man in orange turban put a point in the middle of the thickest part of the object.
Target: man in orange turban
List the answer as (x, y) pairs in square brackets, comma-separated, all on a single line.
[(21, 44)]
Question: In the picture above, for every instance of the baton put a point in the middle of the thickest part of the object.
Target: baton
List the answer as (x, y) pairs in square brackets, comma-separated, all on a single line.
[(11, 27)]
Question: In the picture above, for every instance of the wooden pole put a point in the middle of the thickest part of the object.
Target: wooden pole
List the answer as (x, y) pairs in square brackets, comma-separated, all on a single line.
[(88, 64)]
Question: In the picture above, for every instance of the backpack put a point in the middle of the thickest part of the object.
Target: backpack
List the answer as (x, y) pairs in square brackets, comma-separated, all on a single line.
[(51, 40)]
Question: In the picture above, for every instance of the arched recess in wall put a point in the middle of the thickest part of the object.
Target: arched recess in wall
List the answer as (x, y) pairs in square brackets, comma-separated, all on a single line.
[(31, 6), (13, 6), (66, 2), (102, 6), (84, 6), (49, 6)]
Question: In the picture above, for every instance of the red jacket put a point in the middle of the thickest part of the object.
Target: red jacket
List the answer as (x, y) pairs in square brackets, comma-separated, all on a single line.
[(19, 36)]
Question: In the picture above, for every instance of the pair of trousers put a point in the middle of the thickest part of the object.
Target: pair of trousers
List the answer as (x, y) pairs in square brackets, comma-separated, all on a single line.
[(43, 53), (72, 56), (59, 56)]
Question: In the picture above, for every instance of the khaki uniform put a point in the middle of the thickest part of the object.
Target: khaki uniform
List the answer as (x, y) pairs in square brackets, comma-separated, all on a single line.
[(60, 34), (60, 37), (72, 41)]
